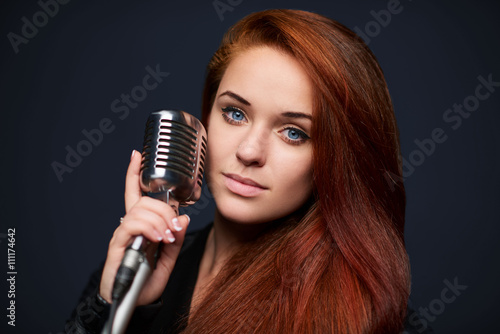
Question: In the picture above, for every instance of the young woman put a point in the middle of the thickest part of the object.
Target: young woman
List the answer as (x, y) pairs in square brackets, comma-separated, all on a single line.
[(303, 163)]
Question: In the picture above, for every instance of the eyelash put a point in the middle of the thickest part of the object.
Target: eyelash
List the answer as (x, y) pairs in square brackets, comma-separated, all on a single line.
[(303, 136), (227, 110)]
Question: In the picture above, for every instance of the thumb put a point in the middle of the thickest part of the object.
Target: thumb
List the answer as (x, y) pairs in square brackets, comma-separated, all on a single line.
[(132, 186)]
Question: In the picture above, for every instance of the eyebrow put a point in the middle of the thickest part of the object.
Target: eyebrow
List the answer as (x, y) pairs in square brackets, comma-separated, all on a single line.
[(288, 114), (236, 97), (293, 114)]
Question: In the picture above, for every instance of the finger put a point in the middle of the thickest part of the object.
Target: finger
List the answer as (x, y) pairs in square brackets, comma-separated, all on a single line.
[(132, 186), (143, 221), (176, 228), (147, 217), (183, 221), (180, 227), (175, 246), (153, 229), (162, 209), (148, 208), (157, 206)]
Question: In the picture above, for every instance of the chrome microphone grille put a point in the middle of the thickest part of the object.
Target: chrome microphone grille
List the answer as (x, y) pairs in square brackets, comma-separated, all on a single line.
[(173, 155)]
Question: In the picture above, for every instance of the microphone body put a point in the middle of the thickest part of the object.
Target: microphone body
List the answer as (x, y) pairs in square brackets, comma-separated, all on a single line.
[(173, 156)]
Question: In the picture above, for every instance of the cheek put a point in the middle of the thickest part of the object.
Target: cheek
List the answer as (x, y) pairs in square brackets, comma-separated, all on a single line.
[(295, 173), (220, 149), (223, 139), (218, 145)]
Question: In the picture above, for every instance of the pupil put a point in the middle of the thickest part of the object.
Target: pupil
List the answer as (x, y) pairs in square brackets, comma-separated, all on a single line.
[(293, 134), (237, 115)]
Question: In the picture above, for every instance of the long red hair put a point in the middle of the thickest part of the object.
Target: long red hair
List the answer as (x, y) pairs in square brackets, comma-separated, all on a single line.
[(339, 265)]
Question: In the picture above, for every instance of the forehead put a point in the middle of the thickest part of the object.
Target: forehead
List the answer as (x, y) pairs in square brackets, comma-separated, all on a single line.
[(266, 74)]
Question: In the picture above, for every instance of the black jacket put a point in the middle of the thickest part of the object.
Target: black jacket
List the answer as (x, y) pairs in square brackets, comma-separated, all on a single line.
[(169, 313)]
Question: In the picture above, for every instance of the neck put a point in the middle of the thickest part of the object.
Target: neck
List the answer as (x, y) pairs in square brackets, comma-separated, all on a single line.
[(225, 238), (223, 241)]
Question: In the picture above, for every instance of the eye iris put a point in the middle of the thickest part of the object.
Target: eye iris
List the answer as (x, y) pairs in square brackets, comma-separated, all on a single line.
[(293, 134), (237, 115)]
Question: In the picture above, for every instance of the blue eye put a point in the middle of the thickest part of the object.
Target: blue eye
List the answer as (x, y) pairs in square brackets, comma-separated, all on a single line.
[(294, 136), (233, 115), (237, 115)]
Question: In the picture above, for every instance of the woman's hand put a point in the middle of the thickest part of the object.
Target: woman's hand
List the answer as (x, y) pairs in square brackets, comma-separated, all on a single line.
[(155, 220)]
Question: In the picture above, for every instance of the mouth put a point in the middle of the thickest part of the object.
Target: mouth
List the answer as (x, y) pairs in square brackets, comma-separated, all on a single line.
[(242, 186)]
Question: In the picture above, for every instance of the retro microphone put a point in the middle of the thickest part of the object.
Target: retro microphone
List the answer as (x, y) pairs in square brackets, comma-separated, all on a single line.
[(173, 156)]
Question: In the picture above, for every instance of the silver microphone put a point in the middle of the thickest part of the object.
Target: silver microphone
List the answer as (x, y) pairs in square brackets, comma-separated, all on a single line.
[(173, 156)]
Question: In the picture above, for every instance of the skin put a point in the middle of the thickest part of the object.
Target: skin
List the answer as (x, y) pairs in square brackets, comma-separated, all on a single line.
[(259, 168), (155, 220), (258, 147)]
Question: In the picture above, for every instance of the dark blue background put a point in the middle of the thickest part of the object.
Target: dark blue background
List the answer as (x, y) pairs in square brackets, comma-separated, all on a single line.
[(64, 81)]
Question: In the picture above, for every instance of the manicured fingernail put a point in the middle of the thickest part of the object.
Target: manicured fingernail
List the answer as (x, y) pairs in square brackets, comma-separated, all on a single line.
[(133, 152), (170, 235), (189, 218), (177, 225), (158, 236)]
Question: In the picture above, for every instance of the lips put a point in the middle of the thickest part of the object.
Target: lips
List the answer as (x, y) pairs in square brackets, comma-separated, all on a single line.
[(242, 186)]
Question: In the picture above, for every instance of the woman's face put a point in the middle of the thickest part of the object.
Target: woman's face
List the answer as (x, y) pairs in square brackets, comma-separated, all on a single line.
[(259, 150)]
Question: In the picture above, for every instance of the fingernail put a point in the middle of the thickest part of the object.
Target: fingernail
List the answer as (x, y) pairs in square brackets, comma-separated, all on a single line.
[(158, 236), (133, 152), (189, 218), (170, 235), (177, 225)]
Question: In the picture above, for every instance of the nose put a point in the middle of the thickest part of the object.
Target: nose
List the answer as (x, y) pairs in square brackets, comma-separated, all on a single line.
[(252, 150)]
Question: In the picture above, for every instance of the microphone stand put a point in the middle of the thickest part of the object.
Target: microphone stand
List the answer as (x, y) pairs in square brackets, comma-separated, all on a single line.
[(137, 265)]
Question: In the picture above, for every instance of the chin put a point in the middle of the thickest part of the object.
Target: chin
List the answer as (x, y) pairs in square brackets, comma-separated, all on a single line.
[(251, 211), (241, 215)]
